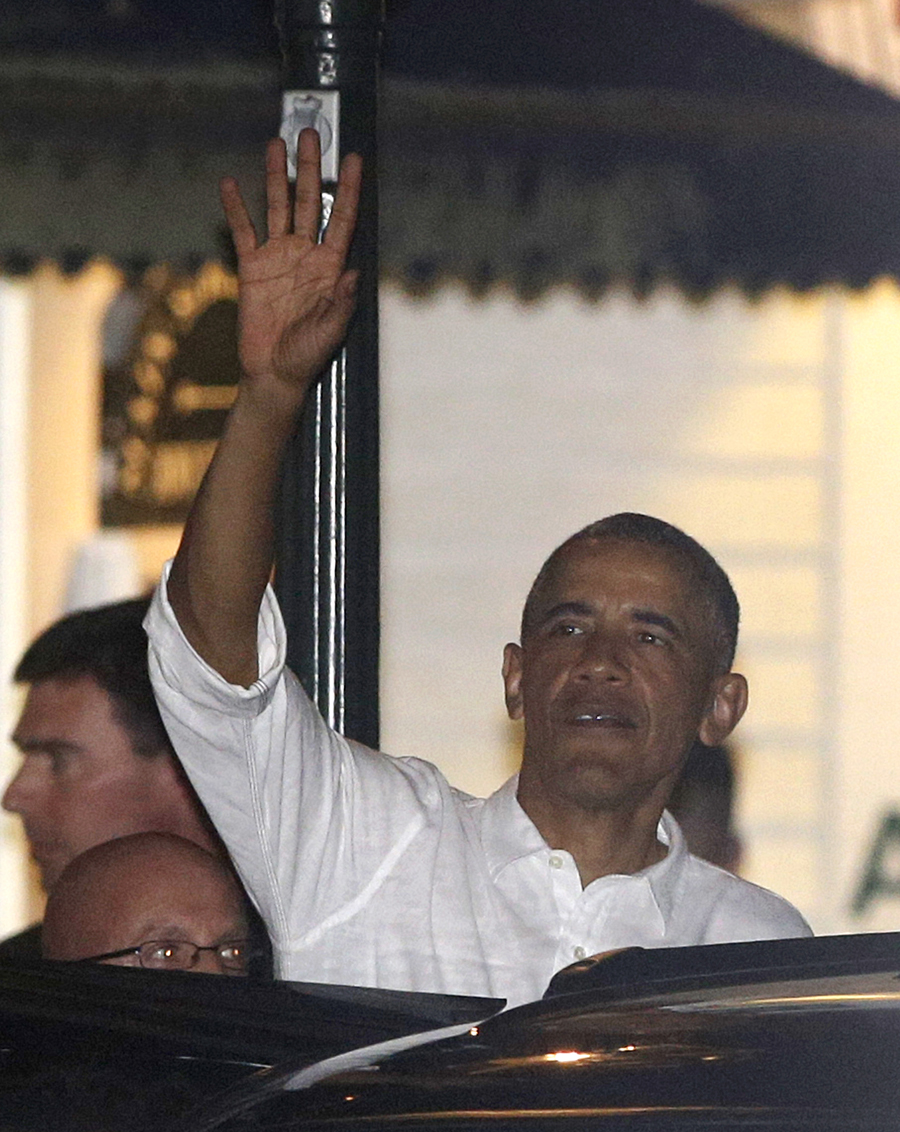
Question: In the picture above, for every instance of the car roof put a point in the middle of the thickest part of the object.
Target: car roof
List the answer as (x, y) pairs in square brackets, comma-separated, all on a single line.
[(801, 1033), (634, 971)]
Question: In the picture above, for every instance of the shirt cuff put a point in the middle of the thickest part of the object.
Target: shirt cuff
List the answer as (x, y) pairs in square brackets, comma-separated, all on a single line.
[(176, 666)]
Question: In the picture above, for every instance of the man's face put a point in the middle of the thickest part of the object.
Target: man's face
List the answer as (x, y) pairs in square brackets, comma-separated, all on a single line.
[(81, 783), (150, 889), (170, 905), (616, 679)]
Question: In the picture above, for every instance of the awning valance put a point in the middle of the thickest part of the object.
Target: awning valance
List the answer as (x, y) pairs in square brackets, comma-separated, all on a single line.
[(744, 161)]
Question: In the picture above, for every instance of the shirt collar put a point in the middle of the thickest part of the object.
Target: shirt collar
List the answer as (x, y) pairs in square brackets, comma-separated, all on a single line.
[(508, 835), (663, 876), (507, 832)]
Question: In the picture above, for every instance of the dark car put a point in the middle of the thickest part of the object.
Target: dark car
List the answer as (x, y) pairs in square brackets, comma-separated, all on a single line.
[(97, 1048), (793, 1034)]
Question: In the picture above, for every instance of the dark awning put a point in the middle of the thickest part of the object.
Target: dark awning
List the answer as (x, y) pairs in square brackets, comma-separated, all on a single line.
[(568, 141)]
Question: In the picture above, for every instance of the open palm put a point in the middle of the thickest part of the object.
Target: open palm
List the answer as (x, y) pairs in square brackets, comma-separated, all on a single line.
[(295, 295)]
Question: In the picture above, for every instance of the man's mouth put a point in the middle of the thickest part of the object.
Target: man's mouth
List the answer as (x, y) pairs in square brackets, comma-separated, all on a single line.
[(595, 719), (42, 851), (602, 717), (50, 862)]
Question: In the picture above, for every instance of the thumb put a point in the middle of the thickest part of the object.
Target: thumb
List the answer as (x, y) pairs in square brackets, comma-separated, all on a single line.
[(337, 310), (346, 288)]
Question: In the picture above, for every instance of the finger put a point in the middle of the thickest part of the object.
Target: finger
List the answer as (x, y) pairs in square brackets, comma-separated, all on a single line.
[(342, 222), (308, 200), (278, 214), (239, 223)]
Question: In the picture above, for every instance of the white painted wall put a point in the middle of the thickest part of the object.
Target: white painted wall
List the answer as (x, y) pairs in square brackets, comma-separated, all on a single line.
[(507, 427), (868, 685), (15, 327)]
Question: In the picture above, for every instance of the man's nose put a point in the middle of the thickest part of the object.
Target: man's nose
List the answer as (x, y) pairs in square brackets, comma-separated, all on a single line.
[(24, 788), (208, 963), (602, 658), (15, 793)]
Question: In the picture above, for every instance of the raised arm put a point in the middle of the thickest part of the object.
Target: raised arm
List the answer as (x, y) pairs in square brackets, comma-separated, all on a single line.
[(295, 300)]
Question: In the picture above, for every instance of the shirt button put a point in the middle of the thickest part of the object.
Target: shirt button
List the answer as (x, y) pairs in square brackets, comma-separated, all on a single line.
[(556, 862), (579, 953)]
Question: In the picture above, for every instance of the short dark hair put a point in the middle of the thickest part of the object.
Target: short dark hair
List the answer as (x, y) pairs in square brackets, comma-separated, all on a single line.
[(109, 645), (628, 526)]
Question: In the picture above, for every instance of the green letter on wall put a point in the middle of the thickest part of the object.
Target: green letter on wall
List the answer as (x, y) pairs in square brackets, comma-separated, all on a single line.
[(881, 876)]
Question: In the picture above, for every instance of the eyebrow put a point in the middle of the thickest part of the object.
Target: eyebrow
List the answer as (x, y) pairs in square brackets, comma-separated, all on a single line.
[(168, 933), (660, 620), (563, 609), (28, 743)]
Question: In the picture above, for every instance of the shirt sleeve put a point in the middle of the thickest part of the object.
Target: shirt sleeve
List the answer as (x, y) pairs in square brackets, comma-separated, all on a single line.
[(294, 801), (746, 911)]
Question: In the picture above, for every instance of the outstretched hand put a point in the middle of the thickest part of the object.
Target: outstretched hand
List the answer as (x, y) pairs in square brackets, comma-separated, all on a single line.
[(295, 295)]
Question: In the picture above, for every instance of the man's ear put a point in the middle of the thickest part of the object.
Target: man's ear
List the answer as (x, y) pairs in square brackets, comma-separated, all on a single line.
[(729, 702), (512, 680)]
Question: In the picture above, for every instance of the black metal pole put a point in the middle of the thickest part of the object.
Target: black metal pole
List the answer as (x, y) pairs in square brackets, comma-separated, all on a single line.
[(327, 565)]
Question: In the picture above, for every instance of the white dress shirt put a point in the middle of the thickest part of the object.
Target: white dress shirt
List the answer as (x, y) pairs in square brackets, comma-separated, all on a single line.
[(374, 871)]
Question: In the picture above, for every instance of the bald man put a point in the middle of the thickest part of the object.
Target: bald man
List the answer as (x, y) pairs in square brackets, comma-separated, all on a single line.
[(148, 900)]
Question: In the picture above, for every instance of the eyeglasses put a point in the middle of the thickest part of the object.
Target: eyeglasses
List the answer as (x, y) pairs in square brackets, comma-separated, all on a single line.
[(179, 955)]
